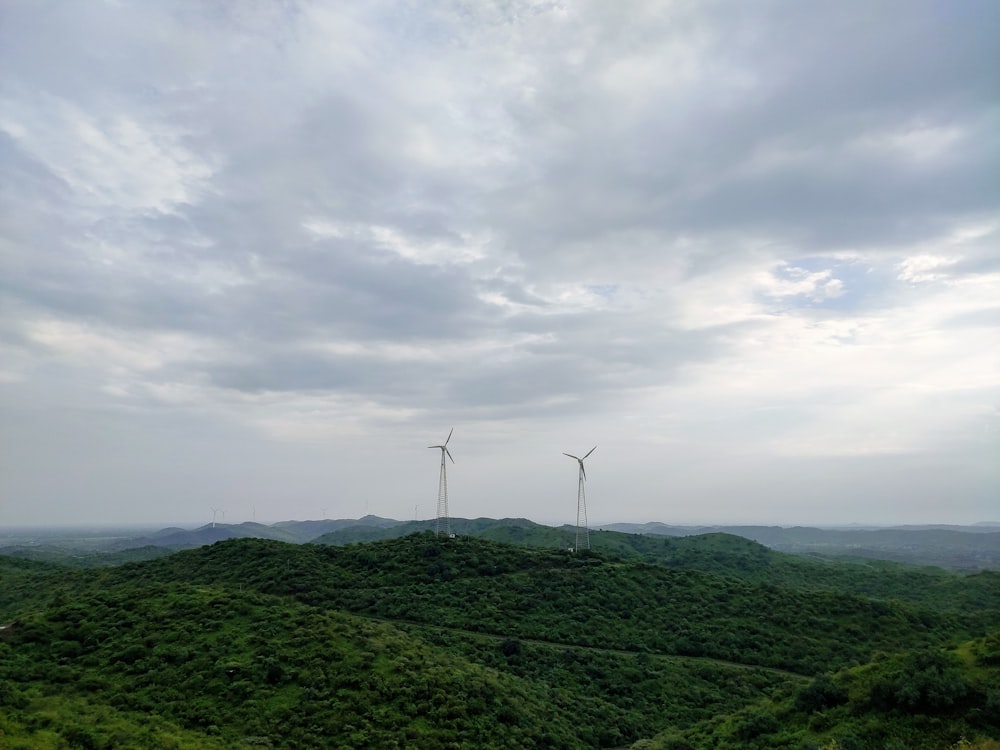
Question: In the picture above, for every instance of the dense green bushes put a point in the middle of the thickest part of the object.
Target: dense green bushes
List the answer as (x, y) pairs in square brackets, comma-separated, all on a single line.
[(232, 665), (921, 700), (582, 600), (249, 641), (820, 694), (926, 682)]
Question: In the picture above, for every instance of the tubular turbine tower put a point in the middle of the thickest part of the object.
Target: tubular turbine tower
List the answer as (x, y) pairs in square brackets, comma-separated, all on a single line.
[(442, 511), (582, 531)]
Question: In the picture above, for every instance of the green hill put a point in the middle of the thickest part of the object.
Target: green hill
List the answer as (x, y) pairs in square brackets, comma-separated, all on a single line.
[(916, 699), (249, 670), (421, 641), (512, 530), (736, 556), (733, 556)]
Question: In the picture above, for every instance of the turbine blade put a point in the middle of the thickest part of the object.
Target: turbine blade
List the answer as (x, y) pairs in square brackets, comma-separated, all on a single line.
[(449, 435), (449, 455), (591, 451), (571, 456), (583, 471)]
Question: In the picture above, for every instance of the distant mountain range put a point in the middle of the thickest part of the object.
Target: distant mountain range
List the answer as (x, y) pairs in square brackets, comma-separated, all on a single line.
[(959, 547), (296, 532), (954, 547)]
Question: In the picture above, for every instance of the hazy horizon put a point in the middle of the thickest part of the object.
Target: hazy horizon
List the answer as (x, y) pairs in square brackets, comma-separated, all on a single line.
[(192, 525)]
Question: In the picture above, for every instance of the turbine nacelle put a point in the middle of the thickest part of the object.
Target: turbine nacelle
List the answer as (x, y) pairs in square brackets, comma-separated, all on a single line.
[(444, 448), (583, 471)]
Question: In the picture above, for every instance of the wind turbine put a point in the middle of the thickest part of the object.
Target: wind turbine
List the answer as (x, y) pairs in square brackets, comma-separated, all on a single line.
[(442, 514), (581, 503), (215, 512)]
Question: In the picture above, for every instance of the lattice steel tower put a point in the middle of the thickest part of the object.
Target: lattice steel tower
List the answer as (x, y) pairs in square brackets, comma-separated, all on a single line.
[(582, 530), (442, 508)]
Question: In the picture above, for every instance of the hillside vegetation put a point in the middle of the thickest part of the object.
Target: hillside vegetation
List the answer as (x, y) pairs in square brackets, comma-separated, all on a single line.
[(966, 548), (923, 698), (426, 642)]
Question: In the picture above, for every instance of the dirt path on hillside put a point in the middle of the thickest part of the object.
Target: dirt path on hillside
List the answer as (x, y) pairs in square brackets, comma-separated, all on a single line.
[(410, 624)]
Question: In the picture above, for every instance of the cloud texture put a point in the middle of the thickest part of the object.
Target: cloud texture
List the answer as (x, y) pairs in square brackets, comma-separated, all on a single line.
[(261, 254)]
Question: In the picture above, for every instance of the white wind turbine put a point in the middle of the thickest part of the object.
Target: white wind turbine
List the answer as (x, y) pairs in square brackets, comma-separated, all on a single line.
[(442, 511), (216, 512), (581, 504)]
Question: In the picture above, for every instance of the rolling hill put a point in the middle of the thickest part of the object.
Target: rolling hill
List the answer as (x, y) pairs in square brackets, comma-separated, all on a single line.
[(420, 641)]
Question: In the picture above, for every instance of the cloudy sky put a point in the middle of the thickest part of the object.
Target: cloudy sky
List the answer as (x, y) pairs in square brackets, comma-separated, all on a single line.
[(259, 255)]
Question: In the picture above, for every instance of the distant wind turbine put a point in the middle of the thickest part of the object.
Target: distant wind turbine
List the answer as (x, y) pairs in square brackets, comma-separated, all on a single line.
[(216, 512), (442, 511), (582, 531)]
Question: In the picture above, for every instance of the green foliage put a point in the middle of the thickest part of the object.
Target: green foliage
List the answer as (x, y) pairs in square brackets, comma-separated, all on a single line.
[(820, 694), (626, 695), (928, 682), (921, 700), (57, 722), (584, 600), (217, 662), (425, 642)]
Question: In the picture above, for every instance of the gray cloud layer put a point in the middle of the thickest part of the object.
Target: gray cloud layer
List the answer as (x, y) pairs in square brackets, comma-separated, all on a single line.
[(749, 238)]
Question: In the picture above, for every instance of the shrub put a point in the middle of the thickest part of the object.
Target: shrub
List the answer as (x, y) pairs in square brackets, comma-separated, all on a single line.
[(929, 682), (820, 694)]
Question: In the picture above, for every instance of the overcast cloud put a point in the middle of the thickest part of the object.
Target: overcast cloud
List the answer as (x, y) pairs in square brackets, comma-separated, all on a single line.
[(258, 255)]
